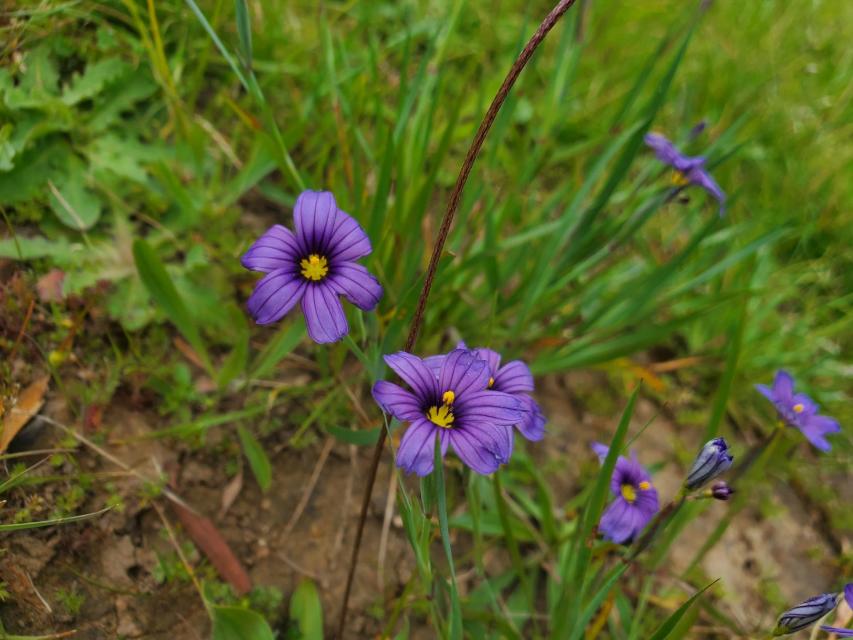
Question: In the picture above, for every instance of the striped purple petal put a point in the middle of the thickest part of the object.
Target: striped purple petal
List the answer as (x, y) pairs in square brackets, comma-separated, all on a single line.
[(474, 451), (276, 249), (490, 407), (532, 425), (396, 401), (514, 377), (462, 372), (324, 314), (416, 453), (413, 371), (816, 428), (274, 295), (356, 284)]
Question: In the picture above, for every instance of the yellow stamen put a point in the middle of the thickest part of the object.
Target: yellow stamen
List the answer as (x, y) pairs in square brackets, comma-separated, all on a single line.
[(679, 179), (491, 382), (645, 486), (441, 416), (799, 407), (448, 397), (629, 493), (314, 267)]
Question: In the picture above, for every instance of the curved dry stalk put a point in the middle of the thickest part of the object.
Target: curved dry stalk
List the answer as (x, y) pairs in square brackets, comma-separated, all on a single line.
[(447, 221)]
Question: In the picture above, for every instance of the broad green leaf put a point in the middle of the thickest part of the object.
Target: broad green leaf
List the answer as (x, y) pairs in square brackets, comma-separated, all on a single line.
[(73, 202), (233, 623), (258, 460), (161, 288), (306, 609)]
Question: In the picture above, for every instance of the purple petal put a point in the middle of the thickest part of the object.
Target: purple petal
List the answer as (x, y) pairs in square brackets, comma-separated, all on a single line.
[(601, 450), (616, 522), (514, 377), (324, 314), (314, 217), (434, 364), (815, 428), (664, 150), (490, 407), (492, 358), (357, 284), (848, 594), (766, 391), (274, 295), (841, 633), (783, 387), (415, 373), (348, 240), (462, 372), (276, 249), (473, 452), (497, 439), (532, 426), (703, 179), (397, 401), (416, 453)]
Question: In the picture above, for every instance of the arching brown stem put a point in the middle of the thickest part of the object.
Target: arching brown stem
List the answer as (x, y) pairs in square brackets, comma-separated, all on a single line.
[(446, 222)]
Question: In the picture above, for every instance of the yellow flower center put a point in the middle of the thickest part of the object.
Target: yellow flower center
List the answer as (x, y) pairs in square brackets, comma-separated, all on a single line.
[(679, 179), (314, 267), (491, 382), (441, 416), (645, 485), (448, 397), (799, 407), (629, 493)]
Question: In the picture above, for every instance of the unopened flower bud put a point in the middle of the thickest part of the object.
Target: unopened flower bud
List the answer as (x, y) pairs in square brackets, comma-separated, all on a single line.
[(713, 459), (721, 491), (805, 614)]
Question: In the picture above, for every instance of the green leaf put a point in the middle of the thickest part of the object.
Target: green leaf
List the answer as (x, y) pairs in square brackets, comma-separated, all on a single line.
[(359, 437), (244, 31), (233, 623), (306, 609), (258, 460), (20, 248), (669, 624), (73, 203), (160, 286), (92, 81)]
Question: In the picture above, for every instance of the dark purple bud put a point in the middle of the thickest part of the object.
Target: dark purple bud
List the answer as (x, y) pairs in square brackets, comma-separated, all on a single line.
[(721, 491), (805, 614), (713, 459), (698, 128)]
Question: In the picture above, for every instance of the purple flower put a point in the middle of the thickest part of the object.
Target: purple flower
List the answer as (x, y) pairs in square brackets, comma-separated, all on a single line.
[(315, 266), (636, 500), (712, 460), (455, 405), (798, 410), (805, 614), (843, 633), (687, 169), (513, 378)]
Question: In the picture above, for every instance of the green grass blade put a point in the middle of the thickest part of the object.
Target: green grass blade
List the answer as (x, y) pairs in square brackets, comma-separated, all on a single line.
[(257, 457), (669, 624), (441, 501)]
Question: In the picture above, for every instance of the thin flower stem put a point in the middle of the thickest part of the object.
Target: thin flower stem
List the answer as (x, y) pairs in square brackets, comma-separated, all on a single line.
[(447, 221)]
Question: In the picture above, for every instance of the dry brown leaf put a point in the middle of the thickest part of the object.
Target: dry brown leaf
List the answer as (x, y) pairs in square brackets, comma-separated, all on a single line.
[(29, 403), (206, 537), (230, 493)]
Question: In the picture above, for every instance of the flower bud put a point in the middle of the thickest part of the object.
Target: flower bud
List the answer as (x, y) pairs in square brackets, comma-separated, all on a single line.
[(713, 459), (805, 614), (721, 491)]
